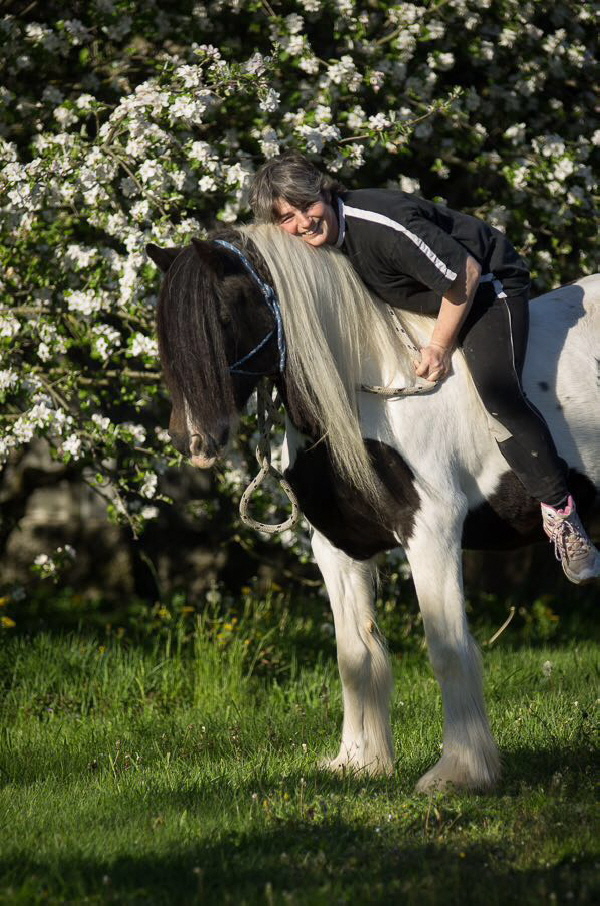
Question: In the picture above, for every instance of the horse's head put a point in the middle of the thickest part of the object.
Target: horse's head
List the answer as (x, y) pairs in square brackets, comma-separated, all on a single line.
[(218, 334)]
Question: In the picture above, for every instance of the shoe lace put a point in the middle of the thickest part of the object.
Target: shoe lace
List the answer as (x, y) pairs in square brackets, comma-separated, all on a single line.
[(569, 542)]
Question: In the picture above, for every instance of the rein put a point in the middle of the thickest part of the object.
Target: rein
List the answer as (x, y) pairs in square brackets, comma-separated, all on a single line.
[(267, 411), (420, 385)]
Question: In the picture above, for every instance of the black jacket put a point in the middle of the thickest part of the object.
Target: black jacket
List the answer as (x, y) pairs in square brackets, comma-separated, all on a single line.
[(409, 251)]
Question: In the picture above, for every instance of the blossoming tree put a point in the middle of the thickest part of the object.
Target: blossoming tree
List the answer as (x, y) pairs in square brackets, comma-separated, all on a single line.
[(125, 122)]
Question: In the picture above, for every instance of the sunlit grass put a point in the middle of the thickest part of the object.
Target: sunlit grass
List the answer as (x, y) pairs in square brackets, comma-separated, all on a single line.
[(177, 775)]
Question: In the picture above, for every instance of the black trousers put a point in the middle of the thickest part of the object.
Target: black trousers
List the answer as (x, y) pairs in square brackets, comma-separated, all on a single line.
[(494, 341)]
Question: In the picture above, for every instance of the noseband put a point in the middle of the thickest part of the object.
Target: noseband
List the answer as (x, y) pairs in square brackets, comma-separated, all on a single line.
[(272, 301)]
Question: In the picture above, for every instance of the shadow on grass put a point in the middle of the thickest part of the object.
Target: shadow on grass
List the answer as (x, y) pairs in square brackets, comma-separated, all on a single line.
[(404, 849), (300, 862), (548, 768)]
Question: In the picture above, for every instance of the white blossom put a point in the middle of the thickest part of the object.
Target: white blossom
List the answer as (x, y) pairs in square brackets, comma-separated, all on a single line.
[(83, 303), (149, 485), (137, 432), (52, 95), (356, 118), (294, 23), (79, 256), (65, 117), (43, 352), (379, 122), (309, 64), (563, 168), (149, 512), (105, 340), (191, 76), (408, 184), (101, 421), (207, 184), (549, 145), (72, 446), (270, 102), (76, 31), (256, 64), (516, 132), (140, 345), (317, 137), (269, 142), (9, 326), (344, 72), (8, 379)]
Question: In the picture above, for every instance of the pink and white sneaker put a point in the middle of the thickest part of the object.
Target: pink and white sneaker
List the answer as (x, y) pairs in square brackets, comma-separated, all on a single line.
[(579, 558)]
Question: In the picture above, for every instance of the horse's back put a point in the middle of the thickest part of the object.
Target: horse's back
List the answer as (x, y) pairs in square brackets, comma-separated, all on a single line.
[(562, 370)]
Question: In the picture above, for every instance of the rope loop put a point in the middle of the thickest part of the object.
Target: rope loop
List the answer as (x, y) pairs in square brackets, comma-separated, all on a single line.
[(268, 414), (420, 385)]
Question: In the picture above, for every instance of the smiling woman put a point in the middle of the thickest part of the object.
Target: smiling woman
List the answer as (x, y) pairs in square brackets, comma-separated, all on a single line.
[(317, 224)]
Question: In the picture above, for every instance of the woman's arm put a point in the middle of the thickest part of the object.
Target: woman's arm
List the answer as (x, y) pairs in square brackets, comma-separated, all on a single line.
[(436, 356)]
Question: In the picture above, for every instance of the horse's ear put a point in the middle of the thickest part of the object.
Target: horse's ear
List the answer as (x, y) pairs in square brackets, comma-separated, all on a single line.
[(209, 255), (163, 258)]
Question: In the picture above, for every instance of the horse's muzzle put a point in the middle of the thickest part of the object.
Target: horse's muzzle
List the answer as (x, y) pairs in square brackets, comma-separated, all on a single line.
[(204, 450)]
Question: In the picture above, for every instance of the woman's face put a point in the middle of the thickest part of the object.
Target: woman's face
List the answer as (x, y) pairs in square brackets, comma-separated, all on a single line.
[(316, 225)]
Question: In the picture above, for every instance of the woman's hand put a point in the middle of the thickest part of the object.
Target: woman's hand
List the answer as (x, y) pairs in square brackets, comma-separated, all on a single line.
[(435, 362), (436, 357)]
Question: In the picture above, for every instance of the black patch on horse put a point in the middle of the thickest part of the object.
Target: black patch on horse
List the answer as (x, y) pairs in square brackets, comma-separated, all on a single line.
[(342, 514), (511, 518)]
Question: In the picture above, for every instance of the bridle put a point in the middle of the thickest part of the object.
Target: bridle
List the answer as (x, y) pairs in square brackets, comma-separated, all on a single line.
[(270, 297)]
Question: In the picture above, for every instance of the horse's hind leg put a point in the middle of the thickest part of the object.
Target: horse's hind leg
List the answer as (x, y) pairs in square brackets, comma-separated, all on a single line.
[(470, 757), (362, 660)]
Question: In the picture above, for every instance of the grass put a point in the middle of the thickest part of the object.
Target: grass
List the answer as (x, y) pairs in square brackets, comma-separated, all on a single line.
[(175, 775)]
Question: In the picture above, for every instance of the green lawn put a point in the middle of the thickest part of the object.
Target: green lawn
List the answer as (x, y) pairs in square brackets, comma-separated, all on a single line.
[(171, 776)]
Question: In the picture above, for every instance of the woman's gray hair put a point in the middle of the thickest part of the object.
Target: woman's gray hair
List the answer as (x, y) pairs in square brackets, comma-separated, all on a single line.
[(292, 177)]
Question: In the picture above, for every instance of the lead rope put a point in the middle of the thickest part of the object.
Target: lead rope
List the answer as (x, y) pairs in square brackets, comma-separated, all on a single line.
[(267, 411), (420, 385)]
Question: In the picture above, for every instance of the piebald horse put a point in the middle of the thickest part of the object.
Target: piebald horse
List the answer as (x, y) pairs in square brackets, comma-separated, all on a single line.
[(371, 471)]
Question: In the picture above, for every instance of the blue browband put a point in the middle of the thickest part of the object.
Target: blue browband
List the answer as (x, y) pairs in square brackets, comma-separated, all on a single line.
[(272, 301)]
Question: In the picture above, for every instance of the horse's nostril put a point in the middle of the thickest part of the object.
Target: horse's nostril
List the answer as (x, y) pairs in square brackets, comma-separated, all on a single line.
[(196, 445)]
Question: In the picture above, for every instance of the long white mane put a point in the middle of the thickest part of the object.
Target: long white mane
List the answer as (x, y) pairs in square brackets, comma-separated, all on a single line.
[(338, 337)]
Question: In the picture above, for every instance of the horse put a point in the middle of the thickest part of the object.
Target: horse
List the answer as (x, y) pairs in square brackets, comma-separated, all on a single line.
[(374, 471)]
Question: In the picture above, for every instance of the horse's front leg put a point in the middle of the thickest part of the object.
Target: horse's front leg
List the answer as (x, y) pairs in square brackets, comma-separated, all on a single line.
[(362, 660), (470, 757)]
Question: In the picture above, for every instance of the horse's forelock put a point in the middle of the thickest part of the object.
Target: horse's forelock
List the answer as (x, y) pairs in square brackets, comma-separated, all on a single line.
[(191, 342)]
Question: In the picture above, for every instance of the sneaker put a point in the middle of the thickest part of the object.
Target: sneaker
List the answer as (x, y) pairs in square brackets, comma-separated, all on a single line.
[(579, 558)]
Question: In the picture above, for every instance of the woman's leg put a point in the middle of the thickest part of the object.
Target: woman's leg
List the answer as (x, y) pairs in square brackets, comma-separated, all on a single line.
[(494, 340)]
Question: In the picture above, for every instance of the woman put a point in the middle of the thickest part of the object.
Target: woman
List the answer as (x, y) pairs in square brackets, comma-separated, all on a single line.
[(424, 257)]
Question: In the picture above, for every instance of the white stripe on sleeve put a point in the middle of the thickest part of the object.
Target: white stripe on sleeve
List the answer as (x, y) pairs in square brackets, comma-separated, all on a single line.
[(374, 217)]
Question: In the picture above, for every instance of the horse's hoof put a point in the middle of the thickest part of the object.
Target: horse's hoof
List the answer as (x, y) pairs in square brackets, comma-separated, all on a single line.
[(348, 767), (446, 778)]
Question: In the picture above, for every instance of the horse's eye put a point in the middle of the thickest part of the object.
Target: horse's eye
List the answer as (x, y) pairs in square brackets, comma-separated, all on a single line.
[(224, 316)]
